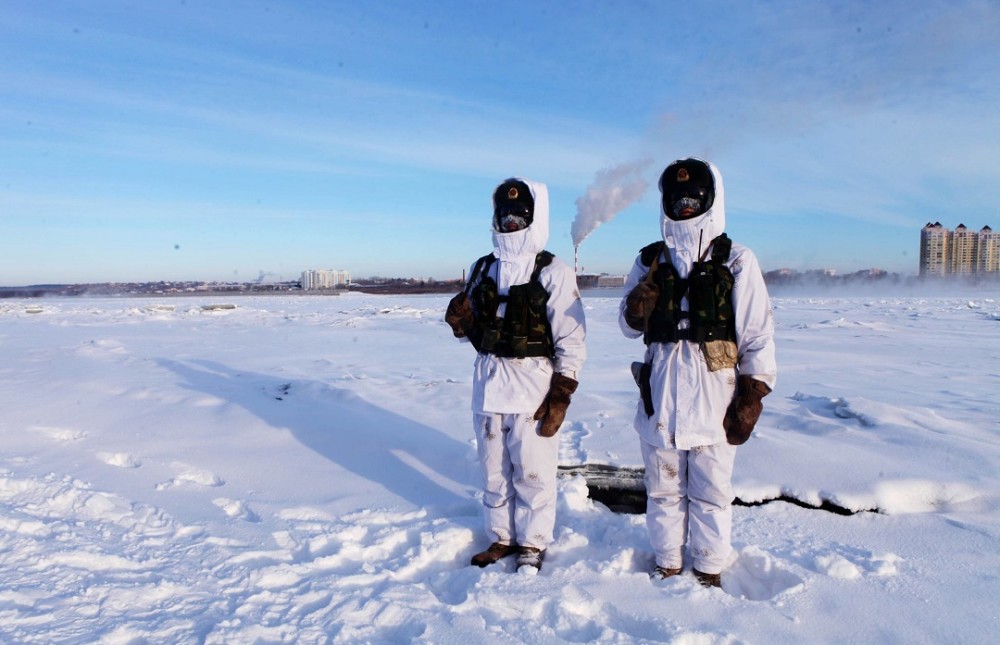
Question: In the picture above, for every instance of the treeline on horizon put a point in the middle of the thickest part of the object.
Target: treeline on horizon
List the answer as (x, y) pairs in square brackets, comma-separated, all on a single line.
[(777, 281)]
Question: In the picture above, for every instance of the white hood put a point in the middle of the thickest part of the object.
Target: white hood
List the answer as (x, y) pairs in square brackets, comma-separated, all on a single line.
[(529, 241), (685, 238)]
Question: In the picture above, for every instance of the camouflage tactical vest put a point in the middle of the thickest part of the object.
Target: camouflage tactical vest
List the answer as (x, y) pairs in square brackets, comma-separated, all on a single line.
[(524, 329), (709, 290)]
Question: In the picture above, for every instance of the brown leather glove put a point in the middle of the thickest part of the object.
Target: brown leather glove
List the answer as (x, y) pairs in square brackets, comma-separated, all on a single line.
[(552, 411), (743, 412), (639, 304), (459, 315)]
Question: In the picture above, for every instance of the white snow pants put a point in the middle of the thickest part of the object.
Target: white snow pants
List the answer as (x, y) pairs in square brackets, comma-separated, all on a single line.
[(690, 495), (519, 478)]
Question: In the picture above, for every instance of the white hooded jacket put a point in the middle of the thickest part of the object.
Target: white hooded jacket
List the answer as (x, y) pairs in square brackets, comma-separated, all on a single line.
[(689, 401), (518, 385)]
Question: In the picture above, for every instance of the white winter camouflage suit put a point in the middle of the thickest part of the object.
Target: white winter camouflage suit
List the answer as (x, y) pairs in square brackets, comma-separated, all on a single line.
[(519, 466), (688, 461)]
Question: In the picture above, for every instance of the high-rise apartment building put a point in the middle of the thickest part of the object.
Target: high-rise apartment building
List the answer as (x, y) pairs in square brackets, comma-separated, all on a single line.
[(963, 251), (325, 279), (988, 252), (958, 252), (934, 249)]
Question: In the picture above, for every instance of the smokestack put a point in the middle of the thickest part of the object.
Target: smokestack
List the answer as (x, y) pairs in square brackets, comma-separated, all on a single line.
[(576, 259)]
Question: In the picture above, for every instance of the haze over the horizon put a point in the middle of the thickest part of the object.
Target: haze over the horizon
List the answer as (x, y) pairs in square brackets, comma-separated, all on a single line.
[(244, 140)]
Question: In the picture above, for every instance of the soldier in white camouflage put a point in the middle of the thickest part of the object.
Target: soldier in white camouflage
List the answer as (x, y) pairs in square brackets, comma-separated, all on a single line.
[(700, 304), (522, 312)]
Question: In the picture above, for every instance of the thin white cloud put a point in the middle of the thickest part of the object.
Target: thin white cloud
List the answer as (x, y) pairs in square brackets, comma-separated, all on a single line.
[(382, 124)]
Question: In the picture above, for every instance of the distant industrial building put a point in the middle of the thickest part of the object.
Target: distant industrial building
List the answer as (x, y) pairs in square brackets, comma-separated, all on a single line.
[(602, 281), (960, 252), (325, 279), (610, 281)]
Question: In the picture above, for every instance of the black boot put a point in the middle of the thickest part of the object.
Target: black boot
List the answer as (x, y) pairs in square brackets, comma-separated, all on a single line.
[(495, 553)]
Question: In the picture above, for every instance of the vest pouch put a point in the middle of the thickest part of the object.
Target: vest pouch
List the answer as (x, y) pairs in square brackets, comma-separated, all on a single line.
[(516, 319), (491, 336), (720, 354), (538, 319), (486, 299), (701, 295), (661, 327), (516, 314)]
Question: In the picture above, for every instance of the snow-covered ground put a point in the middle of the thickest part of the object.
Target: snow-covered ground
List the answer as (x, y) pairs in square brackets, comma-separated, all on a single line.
[(301, 469)]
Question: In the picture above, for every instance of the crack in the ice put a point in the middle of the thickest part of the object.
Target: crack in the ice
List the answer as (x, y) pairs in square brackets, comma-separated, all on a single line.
[(623, 490)]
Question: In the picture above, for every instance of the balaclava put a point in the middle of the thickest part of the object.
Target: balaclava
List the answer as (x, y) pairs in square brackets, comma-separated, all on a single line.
[(688, 189), (513, 206)]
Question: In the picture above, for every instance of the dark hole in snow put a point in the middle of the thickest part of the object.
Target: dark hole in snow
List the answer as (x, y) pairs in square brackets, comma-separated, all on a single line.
[(623, 490)]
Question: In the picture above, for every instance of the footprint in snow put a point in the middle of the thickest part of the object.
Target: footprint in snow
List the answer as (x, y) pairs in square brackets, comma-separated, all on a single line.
[(856, 565), (103, 348), (119, 459), (571, 450), (59, 434), (187, 474), (822, 406), (756, 575), (236, 509)]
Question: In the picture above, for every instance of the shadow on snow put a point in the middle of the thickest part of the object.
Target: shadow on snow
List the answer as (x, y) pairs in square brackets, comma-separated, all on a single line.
[(413, 461)]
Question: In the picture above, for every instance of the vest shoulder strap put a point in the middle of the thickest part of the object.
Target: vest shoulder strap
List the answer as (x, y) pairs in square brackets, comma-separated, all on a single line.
[(542, 260), (482, 265), (722, 246), (650, 252)]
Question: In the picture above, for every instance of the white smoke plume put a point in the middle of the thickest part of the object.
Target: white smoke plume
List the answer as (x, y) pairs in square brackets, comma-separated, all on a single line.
[(612, 190)]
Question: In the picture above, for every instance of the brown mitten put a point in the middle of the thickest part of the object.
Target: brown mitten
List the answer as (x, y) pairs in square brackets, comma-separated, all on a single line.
[(552, 411), (639, 304), (459, 315), (743, 412)]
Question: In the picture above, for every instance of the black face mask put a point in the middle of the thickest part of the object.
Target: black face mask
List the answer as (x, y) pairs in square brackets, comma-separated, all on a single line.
[(512, 217), (688, 202), (688, 189), (513, 207)]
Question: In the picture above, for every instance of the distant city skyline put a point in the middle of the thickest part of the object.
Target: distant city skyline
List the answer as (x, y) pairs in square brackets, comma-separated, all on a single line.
[(979, 253), (244, 140), (962, 251)]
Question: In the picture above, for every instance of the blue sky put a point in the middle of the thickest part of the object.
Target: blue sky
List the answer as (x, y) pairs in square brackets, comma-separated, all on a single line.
[(250, 140)]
